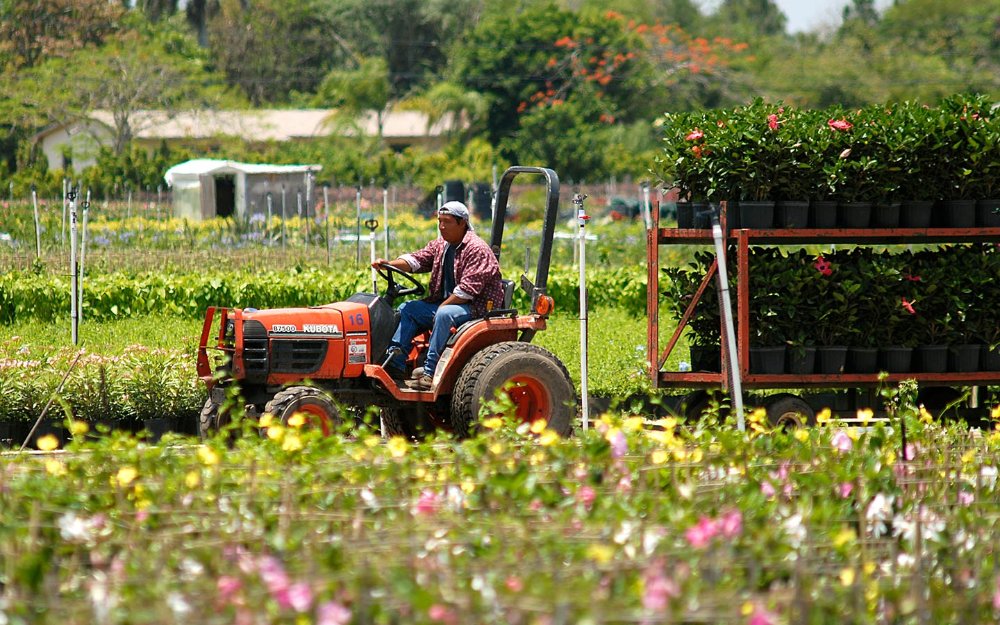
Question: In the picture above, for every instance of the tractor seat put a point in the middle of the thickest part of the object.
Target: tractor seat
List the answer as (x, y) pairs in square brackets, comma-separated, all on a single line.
[(508, 293)]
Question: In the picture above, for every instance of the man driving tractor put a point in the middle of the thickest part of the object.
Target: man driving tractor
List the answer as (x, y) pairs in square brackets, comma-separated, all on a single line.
[(465, 284)]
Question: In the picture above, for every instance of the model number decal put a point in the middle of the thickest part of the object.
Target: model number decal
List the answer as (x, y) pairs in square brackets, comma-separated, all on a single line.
[(283, 327), (321, 328)]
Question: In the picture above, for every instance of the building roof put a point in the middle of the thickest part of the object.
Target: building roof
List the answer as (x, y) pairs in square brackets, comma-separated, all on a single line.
[(201, 166)]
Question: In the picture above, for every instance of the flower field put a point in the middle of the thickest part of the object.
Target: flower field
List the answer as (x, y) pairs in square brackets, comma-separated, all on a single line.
[(628, 522)]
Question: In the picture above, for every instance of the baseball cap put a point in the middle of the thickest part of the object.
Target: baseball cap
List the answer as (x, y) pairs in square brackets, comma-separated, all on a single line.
[(456, 209)]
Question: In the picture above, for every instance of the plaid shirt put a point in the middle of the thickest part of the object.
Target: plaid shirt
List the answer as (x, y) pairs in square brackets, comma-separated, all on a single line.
[(477, 272)]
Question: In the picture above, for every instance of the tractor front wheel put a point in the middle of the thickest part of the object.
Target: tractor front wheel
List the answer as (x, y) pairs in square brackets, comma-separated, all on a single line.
[(533, 378), (211, 420), (317, 407)]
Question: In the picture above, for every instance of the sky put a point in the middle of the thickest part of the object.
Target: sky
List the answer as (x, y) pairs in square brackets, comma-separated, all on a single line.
[(807, 15)]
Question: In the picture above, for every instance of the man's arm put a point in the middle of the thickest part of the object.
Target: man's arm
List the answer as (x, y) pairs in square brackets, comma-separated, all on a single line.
[(398, 263)]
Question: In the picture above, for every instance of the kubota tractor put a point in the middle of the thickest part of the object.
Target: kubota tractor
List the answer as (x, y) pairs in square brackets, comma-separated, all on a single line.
[(327, 362)]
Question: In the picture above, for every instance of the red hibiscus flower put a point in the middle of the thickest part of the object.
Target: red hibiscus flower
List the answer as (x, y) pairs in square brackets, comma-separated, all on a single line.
[(772, 121), (908, 305), (840, 124), (822, 265), (695, 135), (697, 150)]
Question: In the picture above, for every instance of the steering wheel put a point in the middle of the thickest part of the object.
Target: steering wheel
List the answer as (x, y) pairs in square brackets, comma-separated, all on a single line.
[(394, 290)]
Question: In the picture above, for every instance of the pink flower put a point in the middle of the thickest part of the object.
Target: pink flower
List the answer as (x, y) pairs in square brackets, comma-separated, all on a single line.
[(442, 614), (227, 586), (845, 489), (911, 278), (840, 124), (908, 305), (658, 590), (965, 498), (428, 502), (767, 489), (772, 121), (619, 444), (822, 265), (332, 613), (586, 495), (996, 596), (702, 532), (696, 149), (514, 583), (273, 574), (731, 523), (761, 616), (297, 596), (842, 442), (695, 135)]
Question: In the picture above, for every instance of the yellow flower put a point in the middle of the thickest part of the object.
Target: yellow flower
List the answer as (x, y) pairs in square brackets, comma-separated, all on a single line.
[(192, 479), (297, 420), (995, 413), (548, 437), (493, 423), (865, 415), (925, 416), (208, 456), (801, 434), (680, 454), (600, 554), (47, 443), (695, 456), (633, 424), (537, 427), (55, 467), (468, 486), (397, 446), (890, 457), (847, 576), (292, 442), (969, 456), (746, 609), (843, 537), (536, 459), (659, 456), (78, 428), (372, 441), (823, 416), (496, 448), (275, 432), (266, 420), (869, 568), (126, 475)]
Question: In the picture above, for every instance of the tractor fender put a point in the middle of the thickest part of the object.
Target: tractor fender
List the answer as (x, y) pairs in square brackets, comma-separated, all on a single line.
[(474, 336)]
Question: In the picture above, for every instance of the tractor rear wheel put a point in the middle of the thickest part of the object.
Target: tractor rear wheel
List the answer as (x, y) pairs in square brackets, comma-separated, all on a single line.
[(534, 379), (313, 403)]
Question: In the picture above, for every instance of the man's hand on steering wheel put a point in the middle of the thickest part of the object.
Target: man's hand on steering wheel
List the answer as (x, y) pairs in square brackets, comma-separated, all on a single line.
[(387, 272)]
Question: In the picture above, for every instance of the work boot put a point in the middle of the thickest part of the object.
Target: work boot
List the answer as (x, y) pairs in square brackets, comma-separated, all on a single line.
[(421, 383)]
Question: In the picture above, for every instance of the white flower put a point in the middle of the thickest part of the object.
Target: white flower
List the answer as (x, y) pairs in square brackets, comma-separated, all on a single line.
[(795, 530), (178, 604), (988, 475)]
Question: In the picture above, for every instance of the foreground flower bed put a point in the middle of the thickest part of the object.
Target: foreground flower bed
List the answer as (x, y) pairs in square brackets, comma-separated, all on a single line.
[(620, 524)]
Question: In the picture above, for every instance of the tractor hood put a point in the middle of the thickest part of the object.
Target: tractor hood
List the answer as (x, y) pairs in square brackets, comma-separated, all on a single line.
[(329, 321)]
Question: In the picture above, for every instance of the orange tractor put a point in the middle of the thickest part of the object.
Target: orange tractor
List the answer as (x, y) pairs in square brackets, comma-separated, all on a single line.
[(328, 362)]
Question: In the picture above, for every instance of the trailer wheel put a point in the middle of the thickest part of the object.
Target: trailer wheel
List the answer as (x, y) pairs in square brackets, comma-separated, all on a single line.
[(316, 405), (789, 411), (533, 378)]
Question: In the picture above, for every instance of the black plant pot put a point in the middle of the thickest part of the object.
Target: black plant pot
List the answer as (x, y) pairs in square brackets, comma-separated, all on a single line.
[(862, 359), (702, 215), (158, 427), (931, 358), (756, 215), (896, 359), (823, 214), (990, 359), (705, 358), (732, 215), (964, 358), (854, 214), (958, 213), (988, 213), (916, 213), (801, 360), (685, 215), (769, 360), (831, 359), (885, 215), (792, 213)]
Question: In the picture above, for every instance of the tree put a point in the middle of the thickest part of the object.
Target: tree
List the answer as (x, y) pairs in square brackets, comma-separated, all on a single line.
[(32, 30), (748, 18), (451, 103), (357, 91)]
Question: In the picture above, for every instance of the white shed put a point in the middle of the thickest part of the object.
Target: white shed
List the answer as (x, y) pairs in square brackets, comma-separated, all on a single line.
[(205, 188)]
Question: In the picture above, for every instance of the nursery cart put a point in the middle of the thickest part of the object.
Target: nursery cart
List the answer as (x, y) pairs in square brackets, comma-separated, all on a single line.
[(790, 405)]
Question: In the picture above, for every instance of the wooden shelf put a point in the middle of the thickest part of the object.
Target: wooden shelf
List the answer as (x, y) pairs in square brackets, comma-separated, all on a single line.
[(799, 236)]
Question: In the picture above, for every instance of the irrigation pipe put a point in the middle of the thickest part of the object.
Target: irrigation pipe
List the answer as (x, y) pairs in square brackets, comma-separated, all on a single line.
[(52, 398), (582, 218), (736, 384), (73, 286)]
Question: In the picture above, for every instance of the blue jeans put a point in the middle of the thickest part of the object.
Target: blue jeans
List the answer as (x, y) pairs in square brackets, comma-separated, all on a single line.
[(415, 316)]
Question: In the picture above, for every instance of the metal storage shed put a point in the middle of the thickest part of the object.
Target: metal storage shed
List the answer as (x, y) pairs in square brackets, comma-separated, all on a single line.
[(205, 188)]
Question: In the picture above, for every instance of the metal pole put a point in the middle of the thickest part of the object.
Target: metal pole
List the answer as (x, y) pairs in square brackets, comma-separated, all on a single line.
[(283, 213), (372, 225), (385, 222), (65, 207), (298, 199), (646, 217), (582, 218), (73, 301), (727, 318), (128, 206), (83, 255), (38, 223), (326, 216), (357, 229)]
